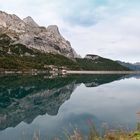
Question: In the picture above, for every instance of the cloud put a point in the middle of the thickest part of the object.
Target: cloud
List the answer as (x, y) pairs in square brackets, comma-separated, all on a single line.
[(116, 37), (105, 27)]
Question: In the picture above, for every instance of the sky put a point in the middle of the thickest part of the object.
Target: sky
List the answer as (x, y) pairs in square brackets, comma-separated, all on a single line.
[(109, 28)]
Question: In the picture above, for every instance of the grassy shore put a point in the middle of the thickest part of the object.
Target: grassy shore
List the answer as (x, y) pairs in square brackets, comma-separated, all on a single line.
[(119, 134), (110, 135), (94, 135)]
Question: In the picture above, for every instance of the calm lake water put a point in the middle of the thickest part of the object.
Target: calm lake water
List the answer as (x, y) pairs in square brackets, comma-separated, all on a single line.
[(51, 107)]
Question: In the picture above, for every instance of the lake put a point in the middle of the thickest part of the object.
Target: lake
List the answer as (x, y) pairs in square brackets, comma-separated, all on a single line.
[(53, 107)]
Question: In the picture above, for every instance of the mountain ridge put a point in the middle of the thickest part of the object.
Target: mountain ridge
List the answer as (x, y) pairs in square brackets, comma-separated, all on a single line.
[(30, 34), (26, 45), (131, 66), (29, 20)]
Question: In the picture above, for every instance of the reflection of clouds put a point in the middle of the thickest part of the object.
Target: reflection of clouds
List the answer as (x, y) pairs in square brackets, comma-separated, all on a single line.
[(113, 102), (112, 25)]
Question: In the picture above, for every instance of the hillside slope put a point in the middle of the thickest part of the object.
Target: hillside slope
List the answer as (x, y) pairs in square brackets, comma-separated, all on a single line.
[(95, 62), (18, 56), (131, 66)]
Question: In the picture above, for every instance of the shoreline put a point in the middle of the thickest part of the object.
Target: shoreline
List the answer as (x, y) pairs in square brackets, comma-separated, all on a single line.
[(103, 72), (35, 72), (23, 72)]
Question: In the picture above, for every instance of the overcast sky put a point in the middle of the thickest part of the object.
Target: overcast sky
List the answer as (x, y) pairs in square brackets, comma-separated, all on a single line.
[(110, 28)]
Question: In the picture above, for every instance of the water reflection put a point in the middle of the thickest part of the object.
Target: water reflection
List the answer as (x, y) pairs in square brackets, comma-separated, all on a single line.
[(23, 98), (29, 98)]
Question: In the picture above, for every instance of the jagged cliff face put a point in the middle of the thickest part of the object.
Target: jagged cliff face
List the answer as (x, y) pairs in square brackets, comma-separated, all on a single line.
[(30, 34)]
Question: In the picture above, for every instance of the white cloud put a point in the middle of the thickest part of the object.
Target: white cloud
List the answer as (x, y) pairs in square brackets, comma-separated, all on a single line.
[(108, 28), (116, 38)]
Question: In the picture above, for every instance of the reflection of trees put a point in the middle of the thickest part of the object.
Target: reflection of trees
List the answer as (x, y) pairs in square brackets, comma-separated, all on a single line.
[(23, 98)]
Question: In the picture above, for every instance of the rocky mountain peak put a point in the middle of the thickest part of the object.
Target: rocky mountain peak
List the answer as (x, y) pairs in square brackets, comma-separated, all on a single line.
[(31, 35), (53, 29), (2, 13), (11, 23), (29, 20), (9, 19)]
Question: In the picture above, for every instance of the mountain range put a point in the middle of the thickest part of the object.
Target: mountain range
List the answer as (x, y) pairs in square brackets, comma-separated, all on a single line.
[(131, 66), (26, 45), (30, 34)]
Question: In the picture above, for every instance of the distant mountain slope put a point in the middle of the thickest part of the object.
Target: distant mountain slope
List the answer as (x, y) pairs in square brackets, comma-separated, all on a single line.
[(134, 66), (95, 62)]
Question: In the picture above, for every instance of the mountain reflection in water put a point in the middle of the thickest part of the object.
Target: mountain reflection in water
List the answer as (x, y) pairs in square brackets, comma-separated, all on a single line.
[(23, 98)]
